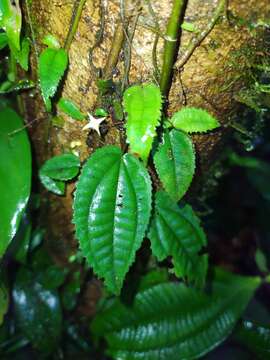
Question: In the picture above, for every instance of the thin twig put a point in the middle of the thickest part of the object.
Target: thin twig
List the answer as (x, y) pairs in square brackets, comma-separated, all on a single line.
[(196, 41), (116, 46), (76, 15)]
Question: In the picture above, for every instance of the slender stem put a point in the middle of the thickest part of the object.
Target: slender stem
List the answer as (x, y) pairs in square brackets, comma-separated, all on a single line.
[(196, 41), (116, 47), (76, 15), (171, 45)]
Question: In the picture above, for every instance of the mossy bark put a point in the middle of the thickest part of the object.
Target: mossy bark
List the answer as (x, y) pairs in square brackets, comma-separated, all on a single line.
[(211, 78)]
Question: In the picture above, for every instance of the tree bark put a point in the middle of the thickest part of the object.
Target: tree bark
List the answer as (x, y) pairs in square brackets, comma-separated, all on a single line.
[(210, 78)]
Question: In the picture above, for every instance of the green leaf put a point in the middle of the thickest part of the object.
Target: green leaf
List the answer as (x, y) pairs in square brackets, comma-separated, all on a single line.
[(193, 120), (51, 41), (175, 163), (176, 232), (11, 21), (15, 174), (38, 311), (142, 103), (174, 321), (61, 167), (55, 186), (22, 55), (255, 337), (69, 108), (111, 211), (51, 67), (3, 40), (9, 87)]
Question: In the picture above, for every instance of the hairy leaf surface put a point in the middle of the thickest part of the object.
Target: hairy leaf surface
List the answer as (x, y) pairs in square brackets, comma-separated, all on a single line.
[(69, 108), (15, 174), (193, 120), (51, 67), (173, 321), (142, 103), (176, 232), (175, 163), (111, 211)]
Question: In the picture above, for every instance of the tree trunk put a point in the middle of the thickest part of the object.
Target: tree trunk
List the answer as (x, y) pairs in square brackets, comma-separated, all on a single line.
[(210, 77)]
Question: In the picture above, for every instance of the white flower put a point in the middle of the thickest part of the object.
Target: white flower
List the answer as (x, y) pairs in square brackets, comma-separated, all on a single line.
[(94, 123)]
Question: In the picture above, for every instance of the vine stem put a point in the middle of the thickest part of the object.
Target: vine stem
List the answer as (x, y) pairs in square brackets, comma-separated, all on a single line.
[(171, 45), (196, 41), (76, 15)]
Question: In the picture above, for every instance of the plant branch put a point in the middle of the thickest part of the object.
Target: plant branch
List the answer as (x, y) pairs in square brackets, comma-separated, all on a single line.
[(116, 47), (76, 15), (171, 45), (196, 41)]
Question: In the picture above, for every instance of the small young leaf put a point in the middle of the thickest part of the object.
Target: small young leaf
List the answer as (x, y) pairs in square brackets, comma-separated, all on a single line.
[(69, 108), (51, 41), (175, 163), (142, 104), (176, 232), (194, 120), (112, 207), (101, 112), (51, 67), (173, 321), (61, 167), (11, 21), (22, 55)]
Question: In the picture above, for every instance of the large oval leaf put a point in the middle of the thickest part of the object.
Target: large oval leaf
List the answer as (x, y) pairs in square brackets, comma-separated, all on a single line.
[(111, 211), (194, 120), (174, 321), (51, 67), (15, 174), (142, 104), (38, 311), (176, 232), (175, 163)]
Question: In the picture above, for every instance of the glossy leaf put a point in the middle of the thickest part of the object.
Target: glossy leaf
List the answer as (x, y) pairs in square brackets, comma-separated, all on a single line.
[(175, 231), (15, 174), (142, 103), (193, 120), (69, 108), (173, 321), (61, 167), (38, 311), (175, 163), (255, 337), (11, 21), (55, 186), (111, 211), (51, 67)]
